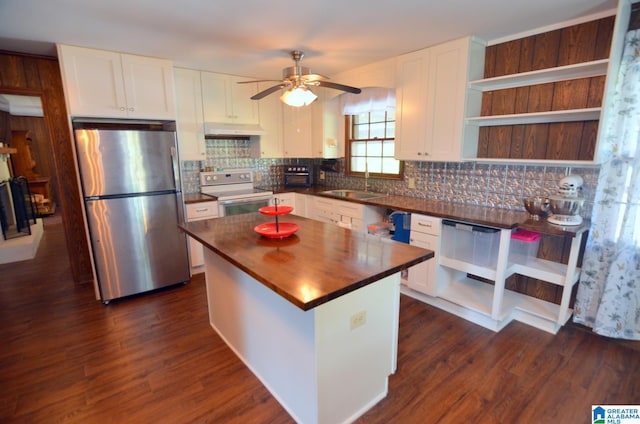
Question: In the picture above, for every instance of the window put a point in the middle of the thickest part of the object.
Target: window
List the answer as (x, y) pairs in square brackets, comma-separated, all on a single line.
[(371, 145)]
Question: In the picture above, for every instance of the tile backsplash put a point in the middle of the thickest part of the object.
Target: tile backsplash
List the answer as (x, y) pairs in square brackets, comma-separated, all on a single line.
[(473, 183)]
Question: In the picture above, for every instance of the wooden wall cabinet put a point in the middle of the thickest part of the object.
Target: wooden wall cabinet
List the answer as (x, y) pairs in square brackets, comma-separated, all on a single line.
[(433, 100), (107, 84)]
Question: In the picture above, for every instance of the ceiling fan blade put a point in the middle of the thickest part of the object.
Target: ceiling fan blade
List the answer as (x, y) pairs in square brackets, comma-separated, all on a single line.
[(267, 91), (249, 82), (336, 86)]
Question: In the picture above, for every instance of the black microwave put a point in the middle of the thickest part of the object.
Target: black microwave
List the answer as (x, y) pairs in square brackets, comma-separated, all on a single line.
[(297, 176)]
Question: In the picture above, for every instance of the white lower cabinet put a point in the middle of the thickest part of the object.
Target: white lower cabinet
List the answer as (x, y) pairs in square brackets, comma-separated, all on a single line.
[(198, 212), (425, 233), (354, 216), (296, 200)]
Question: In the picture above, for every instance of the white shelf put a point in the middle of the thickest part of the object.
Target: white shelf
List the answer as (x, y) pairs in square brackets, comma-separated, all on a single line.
[(572, 115), (540, 162), (480, 271), (542, 269), (471, 294), (537, 312), (543, 76)]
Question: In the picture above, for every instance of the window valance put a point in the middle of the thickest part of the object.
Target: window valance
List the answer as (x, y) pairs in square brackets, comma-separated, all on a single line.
[(371, 99)]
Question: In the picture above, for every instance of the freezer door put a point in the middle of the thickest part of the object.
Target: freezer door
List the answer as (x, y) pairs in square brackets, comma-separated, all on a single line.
[(136, 243), (115, 162)]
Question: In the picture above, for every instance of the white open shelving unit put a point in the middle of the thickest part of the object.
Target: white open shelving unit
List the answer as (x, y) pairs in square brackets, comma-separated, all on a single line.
[(492, 305), (543, 76)]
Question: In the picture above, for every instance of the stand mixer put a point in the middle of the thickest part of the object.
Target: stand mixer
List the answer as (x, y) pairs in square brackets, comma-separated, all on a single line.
[(565, 206)]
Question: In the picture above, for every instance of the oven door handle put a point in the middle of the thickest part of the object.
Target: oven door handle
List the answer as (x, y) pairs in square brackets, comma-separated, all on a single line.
[(241, 201)]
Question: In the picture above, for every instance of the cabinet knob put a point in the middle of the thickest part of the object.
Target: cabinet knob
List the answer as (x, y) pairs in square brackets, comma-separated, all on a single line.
[(122, 109), (131, 109)]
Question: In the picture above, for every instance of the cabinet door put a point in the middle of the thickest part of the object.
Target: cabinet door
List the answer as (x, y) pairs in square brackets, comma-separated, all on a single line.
[(297, 132), (93, 82), (413, 110), (270, 109), (328, 129), (149, 87), (224, 100), (196, 252), (245, 110), (190, 125), (300, 207), (447, 87), (198, 212), (422, 277), (216, 99)]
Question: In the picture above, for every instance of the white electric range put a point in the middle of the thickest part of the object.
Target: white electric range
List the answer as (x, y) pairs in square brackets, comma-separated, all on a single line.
[(234, 190)]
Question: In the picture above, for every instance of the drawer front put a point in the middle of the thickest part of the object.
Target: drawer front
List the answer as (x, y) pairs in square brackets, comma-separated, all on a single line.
[(426, 241), (425, 224), (202, 210), (353, 210)]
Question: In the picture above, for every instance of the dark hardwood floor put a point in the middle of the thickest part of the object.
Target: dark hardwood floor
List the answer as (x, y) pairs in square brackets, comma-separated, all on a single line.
[(66, 358)]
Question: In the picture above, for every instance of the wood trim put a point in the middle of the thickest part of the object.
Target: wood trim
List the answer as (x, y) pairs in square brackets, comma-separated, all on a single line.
[(35, 75)]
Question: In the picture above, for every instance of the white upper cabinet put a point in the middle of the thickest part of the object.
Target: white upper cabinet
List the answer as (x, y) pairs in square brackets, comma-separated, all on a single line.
[(224, 100), (298, 130), (190, 123), (328, 128), (433, 101), (101, 83), (270, 107)]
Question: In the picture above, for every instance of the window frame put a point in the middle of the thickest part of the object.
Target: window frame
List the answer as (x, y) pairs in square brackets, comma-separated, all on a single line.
[(348, 125)]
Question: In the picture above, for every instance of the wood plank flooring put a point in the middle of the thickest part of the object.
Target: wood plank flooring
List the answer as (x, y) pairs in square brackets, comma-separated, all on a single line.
[(66, 358)]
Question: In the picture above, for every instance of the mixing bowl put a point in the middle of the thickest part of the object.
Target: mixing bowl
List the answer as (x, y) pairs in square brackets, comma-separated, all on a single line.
[(536, 206), (565, 206)]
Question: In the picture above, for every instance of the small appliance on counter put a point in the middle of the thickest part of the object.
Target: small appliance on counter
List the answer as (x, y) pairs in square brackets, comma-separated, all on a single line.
[(565, 206), (297, 176)]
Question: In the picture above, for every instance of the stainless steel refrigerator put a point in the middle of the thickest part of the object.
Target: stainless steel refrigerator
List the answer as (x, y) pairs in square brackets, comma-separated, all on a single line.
[(132, 198)]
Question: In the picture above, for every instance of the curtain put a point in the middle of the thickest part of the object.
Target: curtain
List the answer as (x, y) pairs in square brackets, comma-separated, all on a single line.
[(371, 99), (608, 297)]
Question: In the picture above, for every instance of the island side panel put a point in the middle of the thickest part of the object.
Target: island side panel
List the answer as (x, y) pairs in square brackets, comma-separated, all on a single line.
[(315, 364), (357, 339), (274, 338)]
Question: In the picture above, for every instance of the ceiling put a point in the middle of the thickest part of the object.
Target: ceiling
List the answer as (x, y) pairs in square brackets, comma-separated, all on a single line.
[(253, 37)]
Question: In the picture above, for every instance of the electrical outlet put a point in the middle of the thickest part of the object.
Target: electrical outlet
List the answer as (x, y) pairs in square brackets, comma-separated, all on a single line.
[(258, 176), (321, 175), (358, 319), (412, 182)]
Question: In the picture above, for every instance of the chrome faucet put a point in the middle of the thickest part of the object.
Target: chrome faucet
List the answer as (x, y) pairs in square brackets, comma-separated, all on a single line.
[(366, 179)]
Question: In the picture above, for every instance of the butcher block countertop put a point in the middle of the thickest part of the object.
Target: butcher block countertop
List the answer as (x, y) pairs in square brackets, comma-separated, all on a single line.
[(319, 263), (190, 198), (478, 215)]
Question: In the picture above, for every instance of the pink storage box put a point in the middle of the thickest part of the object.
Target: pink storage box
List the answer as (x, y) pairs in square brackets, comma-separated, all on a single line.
[(524, 246)]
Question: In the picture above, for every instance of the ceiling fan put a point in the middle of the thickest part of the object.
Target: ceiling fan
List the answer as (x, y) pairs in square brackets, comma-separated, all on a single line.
[(296, 81)]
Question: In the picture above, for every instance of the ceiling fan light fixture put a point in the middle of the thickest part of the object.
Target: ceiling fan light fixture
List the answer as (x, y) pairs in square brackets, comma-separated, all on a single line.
[(298, 96)]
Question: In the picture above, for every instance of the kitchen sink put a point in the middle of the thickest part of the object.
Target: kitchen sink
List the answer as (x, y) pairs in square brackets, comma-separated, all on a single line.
[(353, 194)]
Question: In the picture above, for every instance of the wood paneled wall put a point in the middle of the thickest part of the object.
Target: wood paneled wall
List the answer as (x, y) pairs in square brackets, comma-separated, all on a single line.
[(40, 76), (556, 141), (40, 146)]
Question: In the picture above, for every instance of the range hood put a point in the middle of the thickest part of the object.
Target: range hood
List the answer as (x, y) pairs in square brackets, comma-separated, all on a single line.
[(223, 128)]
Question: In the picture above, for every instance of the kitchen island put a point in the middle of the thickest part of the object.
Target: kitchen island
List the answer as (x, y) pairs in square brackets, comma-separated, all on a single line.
[(314, 316)]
